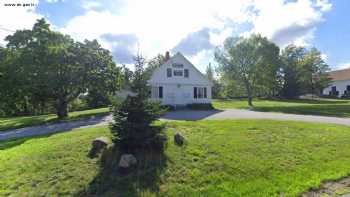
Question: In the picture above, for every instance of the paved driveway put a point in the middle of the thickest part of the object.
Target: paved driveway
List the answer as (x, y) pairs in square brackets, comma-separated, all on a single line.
[(174, 115), (246, 114), (55, 127)]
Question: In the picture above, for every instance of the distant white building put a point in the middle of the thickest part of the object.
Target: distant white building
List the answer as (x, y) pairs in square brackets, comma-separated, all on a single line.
[(178, 82), (340, 84)]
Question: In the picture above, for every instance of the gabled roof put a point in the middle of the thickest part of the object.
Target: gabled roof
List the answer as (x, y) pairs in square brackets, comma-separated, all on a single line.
[(195, 68), (340, 75), (180, 55)]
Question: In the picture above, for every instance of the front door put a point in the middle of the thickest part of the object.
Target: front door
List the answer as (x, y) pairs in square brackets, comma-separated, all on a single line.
[(179, 98)]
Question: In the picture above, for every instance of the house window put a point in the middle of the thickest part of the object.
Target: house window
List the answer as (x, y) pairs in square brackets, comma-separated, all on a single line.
[(168, 72), (348, 88), (157, 92), (199, 92), (334, 91), (195, 92), (160, 90), (334, 88), (175, 65), (178, 73), (186, 73)]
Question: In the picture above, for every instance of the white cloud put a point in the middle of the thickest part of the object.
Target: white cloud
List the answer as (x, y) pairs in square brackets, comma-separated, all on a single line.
[(53, 1), (16, 17), (324, 5), (159, 24), (343, 66), (202, 59), (289, 22), (324, 57), (92, 5)]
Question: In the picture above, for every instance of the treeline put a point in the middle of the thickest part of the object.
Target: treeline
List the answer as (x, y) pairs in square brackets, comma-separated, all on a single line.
[(256, 67), (44, 71)]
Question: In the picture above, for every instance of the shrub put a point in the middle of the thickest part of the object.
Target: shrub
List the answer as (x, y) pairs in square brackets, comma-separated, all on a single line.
[(200, 106), (78, 104), (132, 127), (116, 100), (169, 107), (346, 95)]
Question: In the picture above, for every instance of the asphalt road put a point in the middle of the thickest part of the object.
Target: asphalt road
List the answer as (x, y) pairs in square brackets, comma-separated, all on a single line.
[(173, 115)]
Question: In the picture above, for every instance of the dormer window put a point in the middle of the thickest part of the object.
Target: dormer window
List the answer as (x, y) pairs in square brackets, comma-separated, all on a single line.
[(168, 72), (178, 73), (176, 65), (186, 73)]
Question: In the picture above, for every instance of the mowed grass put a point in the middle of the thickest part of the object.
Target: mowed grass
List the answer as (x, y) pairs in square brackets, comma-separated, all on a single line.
[(55, 165), (322, 107), (220, 158), (24, 121)]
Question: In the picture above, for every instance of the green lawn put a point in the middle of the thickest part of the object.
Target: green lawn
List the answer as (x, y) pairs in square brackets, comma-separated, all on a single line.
[(220, 158), (322, 107), (24, 121)]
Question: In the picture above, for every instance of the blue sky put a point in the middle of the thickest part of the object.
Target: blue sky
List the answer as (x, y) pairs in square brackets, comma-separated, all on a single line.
[(332, 37), (193, 28)]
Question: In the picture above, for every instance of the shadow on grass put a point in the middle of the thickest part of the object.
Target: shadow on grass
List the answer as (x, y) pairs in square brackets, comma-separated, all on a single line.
[(320, 110), (11, 143), (143, 178)]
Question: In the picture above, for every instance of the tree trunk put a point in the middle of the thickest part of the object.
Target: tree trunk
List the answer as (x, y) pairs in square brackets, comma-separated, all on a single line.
[(250, 101), (250, 97), (62, 108)]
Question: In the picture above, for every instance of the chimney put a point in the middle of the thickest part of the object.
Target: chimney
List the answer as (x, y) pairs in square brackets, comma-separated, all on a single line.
[(167, 56)]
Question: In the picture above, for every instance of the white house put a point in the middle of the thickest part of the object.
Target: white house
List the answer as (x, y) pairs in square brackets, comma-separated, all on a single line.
[(340, 84), (177, 82)]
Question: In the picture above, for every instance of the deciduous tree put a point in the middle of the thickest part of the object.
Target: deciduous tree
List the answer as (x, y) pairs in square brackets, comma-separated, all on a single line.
[(245, 58), (56, 67)]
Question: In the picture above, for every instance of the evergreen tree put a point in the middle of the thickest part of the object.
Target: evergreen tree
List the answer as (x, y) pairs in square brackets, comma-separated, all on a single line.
[(133, 118)]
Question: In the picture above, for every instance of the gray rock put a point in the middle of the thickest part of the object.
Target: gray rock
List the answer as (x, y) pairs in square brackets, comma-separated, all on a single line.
[(98, 144), (179, 139), (127, 160)]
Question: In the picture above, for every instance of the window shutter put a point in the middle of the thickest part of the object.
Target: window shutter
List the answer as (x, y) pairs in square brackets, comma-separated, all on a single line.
[(186, 73), (194, 92), (160, 92), (205, 92), (168, 72)]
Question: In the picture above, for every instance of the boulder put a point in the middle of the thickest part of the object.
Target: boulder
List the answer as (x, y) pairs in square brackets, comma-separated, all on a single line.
[(127, 160), (98, 144), (179, 139)]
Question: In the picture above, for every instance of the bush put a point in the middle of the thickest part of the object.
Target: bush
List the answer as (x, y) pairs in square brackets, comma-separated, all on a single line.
[(200, 106), (78, 104), (95, 99), (169, 107), (132, 127), (115, 100), (329, 96), (346, 95)]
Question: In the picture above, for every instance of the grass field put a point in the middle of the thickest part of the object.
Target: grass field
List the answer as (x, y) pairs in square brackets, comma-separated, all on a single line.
[(220, 158), (24, 121), (322, 107)]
